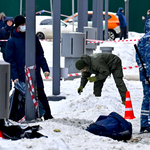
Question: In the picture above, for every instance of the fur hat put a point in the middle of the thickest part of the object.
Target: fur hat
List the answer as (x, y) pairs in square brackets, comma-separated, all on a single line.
[(80, 64), (19, 20)]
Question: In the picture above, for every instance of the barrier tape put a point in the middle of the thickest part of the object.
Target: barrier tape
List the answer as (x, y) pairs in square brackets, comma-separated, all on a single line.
[(3, 40), (101, 41), (39, 39), (74, 74), (79, 74), (46, 39), (30, 87), (130, 67), (94, 41)]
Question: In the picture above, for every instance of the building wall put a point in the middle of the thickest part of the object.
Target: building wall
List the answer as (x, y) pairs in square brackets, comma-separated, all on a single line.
[(137, 9)]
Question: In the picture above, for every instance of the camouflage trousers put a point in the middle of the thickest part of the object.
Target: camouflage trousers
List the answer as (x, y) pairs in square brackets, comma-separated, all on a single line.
[(145, 108)]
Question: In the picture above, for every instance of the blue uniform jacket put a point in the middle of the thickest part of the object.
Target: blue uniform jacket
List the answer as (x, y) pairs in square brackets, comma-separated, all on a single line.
[(15, 55), (144, 50), (122, 19), (5, 34)]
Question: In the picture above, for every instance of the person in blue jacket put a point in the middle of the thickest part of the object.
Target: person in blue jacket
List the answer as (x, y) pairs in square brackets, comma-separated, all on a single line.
[(146, 21), (5, 34), (144, 51), (122, 23), (15, 55)]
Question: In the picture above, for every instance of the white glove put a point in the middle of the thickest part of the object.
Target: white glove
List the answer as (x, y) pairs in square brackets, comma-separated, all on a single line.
[(15, 81), (147, 80), (46, 73)]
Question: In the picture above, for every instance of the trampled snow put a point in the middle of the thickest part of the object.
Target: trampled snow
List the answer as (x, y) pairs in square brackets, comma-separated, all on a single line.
[(75, 113)]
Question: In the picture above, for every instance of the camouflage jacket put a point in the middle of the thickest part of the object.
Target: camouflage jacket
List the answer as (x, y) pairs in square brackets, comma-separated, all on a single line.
[(144, 51), (100, 64)]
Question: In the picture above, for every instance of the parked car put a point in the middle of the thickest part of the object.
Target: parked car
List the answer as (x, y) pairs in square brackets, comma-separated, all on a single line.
[(44, 28), (113, 23)]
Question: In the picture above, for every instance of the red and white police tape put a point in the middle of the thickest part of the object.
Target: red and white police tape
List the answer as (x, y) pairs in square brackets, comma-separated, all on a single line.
[(79, 74), (39, 39), (94, 41), (115, 41), (30, 87)]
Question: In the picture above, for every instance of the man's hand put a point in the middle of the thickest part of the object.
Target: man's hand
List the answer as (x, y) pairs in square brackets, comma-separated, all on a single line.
[(15, 81), (92, 79), (46, 73), (80, 89)]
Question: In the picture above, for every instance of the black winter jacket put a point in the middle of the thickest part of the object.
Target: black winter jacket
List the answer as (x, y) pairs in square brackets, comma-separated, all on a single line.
[(15, 54)]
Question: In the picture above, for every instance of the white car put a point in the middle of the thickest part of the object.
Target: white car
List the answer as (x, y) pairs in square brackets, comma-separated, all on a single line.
[(44, 28)]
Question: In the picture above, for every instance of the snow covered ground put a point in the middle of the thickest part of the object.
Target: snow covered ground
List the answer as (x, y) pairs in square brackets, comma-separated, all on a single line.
[(73, 114)]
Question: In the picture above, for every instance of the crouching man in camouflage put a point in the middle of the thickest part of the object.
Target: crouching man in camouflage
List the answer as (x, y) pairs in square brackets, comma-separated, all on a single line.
[(102, 65)]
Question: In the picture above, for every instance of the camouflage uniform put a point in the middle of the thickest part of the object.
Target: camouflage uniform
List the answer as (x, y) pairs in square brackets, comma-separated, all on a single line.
[(144, 50), (102, 65), (147, 25)]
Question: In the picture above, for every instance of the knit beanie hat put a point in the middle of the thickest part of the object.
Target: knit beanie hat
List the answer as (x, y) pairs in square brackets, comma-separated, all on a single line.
[(80, 64), (19, 20)]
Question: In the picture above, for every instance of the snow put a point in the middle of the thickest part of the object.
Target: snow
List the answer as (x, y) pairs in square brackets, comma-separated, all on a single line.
[(73, 114)]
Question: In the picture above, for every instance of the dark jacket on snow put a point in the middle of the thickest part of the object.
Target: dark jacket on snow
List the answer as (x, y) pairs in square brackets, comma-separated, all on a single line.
[(15, 55)]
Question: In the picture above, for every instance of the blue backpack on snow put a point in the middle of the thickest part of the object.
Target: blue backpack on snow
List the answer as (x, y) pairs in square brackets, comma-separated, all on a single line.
[(113, 126)]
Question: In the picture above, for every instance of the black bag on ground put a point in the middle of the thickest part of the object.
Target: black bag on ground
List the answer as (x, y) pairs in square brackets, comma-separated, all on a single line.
[(113, 126), (15, 132), (17, 103)]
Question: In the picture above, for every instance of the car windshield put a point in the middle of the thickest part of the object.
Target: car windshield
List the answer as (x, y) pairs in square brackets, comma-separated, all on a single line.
[(46, 22), (49, 22)]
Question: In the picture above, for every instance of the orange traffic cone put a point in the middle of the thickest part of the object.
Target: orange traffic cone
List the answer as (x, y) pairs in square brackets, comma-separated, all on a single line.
[(1, 135), (128, 107)]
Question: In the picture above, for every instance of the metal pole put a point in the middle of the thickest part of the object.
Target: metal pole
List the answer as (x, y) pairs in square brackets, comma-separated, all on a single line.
[(80, 15), (51, 6), (106, 19), (20, 7), (127, 14), (30, 56), (100, 19), (56, 47), (56, 52), (73, 15), (94, 17), (85, 12)]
